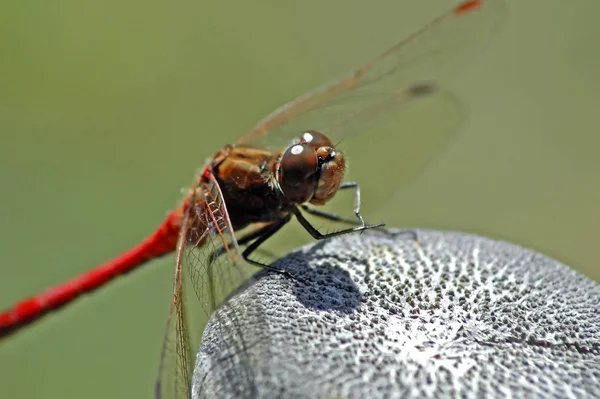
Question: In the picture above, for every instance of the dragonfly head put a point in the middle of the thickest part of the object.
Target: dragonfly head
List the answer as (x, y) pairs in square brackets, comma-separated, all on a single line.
[(311, 170)]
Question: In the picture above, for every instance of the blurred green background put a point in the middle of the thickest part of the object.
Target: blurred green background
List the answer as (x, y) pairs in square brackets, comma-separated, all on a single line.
[(107, 108)]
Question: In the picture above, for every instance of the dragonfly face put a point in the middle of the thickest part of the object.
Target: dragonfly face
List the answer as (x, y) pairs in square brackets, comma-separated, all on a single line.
[(311, 170)]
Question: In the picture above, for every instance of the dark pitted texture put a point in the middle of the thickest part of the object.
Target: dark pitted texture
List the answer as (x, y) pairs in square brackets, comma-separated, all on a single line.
[(382, 315)]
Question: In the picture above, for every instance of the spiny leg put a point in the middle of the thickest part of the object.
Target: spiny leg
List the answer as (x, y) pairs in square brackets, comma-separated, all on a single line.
[(261, 236), (338, 218), (353, 184), (319, 236), (267, 232), (242, 241), (334, 216), (329, 215)]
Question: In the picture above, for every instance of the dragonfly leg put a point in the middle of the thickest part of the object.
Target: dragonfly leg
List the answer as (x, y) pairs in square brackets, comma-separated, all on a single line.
[(353, 184), (329, 215), (261, 236), (319, 236), (242, 241), (333, 216)]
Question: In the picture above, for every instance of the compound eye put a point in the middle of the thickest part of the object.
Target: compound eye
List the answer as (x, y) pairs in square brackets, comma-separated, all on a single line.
[(315, 139), (297, 165)]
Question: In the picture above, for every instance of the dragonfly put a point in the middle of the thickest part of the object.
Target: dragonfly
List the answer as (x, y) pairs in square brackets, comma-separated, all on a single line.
[(281, 169)]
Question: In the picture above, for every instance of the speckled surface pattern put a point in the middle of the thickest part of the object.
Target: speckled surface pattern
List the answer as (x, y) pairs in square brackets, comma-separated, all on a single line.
[(381, 314)]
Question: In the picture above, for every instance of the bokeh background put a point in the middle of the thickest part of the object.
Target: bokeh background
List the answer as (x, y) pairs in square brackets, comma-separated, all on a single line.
[(107, 109)]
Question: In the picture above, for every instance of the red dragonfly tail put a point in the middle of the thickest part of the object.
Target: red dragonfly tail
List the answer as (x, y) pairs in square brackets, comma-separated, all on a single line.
[(161, 242)]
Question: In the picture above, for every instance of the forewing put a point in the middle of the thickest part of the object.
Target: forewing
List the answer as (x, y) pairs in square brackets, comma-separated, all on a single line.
[(201, 281), (412, 68)]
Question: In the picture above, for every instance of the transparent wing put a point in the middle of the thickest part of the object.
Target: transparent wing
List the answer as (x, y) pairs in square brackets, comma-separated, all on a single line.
[(410, 69), (208, 267), (227, 349)]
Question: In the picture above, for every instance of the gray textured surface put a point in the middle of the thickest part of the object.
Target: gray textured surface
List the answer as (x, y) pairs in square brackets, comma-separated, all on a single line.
[(380, 315)]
